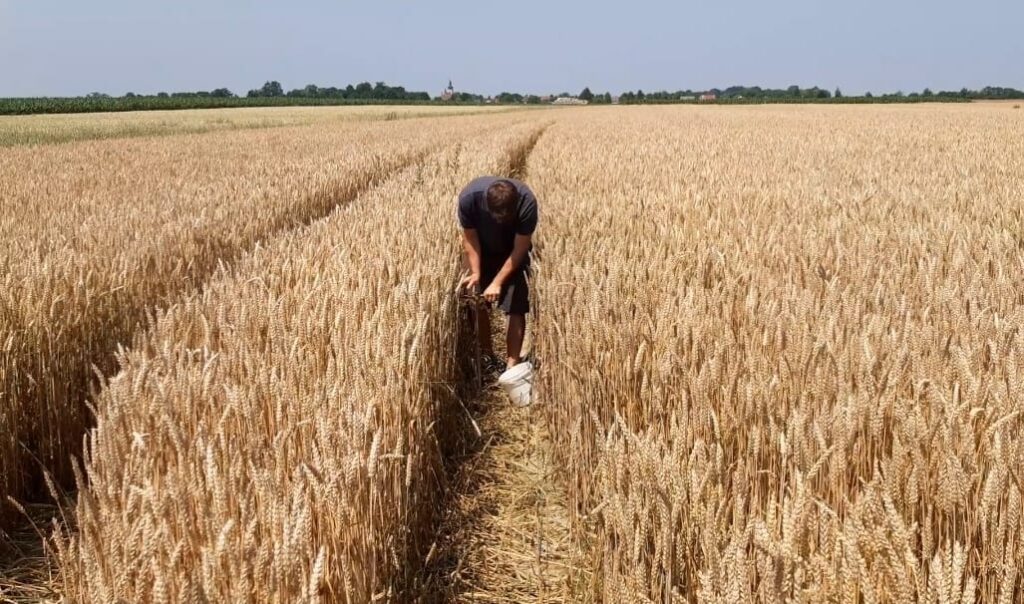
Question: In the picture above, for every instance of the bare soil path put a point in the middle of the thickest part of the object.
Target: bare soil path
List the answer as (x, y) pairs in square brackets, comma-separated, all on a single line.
[(505, 536), (26, 574)]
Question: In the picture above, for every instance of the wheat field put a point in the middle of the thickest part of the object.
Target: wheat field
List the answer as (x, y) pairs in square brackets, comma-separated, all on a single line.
[(18, 130), (779, 358), (784, 351), (100, 234)]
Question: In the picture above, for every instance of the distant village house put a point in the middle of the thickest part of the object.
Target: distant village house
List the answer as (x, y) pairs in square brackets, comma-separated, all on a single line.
[(568, 100)]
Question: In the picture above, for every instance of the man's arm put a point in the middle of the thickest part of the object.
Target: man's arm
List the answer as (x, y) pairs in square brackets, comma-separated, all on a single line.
[(471, 244), (520, 249)]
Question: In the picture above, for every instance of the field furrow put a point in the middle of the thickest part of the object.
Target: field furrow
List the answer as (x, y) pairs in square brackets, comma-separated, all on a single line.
[(504, 535)]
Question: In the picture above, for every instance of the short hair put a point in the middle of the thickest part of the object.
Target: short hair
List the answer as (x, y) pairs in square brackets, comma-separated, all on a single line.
[(502, 200)]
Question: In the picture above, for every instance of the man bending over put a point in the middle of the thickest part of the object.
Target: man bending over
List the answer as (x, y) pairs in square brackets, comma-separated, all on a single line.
[(498, 217)]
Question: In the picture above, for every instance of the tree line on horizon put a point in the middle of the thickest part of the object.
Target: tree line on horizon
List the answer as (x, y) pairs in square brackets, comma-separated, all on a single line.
[(382, 91), (817, 93), (272, 93)]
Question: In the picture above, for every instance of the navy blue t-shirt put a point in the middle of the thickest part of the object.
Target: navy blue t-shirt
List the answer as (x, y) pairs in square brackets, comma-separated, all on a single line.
[(496, 240)]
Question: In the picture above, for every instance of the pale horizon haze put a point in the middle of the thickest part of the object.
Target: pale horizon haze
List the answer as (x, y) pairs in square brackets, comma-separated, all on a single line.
[(63, 48)]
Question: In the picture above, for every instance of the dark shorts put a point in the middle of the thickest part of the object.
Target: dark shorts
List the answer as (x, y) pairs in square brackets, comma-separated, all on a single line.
[(515, 295)]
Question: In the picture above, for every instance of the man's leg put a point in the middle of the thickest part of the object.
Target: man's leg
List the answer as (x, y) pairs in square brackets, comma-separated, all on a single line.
[(514, 339), (516, 304)]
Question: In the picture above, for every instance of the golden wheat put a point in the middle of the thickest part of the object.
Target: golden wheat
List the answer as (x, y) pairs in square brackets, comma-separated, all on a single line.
[(99, 234), (60, 128), (783, 349), (273, 438)]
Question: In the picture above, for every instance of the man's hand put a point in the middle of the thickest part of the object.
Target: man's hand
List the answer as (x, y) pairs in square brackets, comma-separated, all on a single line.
[(493, 292), (470, 282)]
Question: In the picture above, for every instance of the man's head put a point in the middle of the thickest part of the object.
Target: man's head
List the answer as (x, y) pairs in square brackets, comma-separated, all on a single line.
[(502, 201)]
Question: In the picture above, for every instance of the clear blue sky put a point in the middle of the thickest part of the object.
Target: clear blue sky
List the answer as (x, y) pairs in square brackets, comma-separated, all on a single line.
[(70, 47)]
